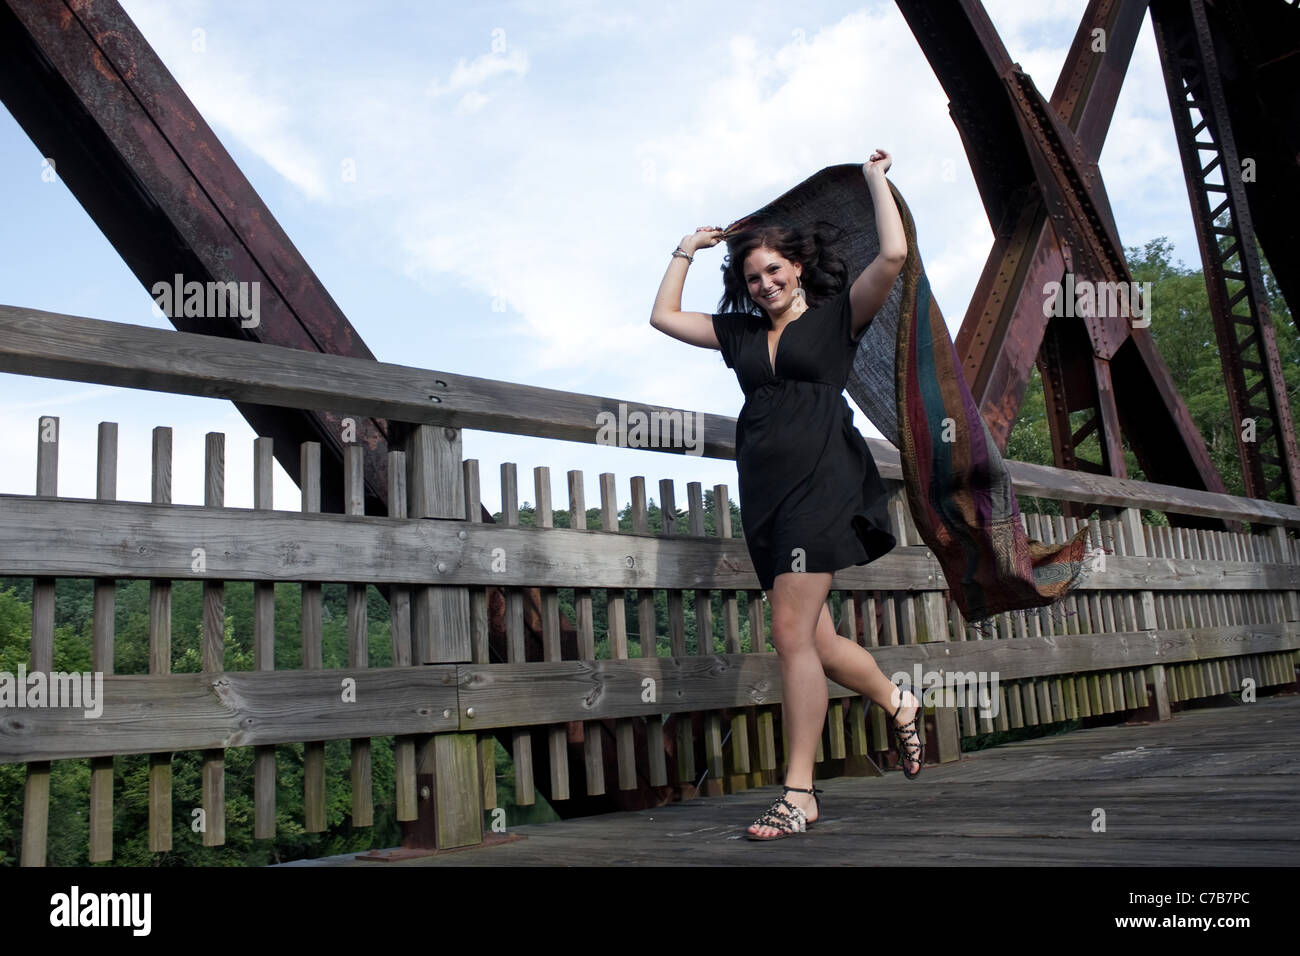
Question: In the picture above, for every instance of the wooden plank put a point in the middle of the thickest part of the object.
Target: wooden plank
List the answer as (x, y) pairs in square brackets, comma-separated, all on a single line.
[(557, 737), (739, 732), (246, 545), (764, 717), (649, 641), (354, 497), (36, 787), (243, 544), (101, 654), (684, 769), (399, 617), (714, 762), (1284, 553), (616, 617), (440, 632), (54, 345), (1083, 694), (1082, 616), (313, 752), (214, 645), (264, 775), (593, 758), (1142, 604), (521, 740), (213, 711)]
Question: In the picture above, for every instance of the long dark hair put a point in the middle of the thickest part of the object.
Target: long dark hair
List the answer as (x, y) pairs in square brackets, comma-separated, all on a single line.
[(824, 274)]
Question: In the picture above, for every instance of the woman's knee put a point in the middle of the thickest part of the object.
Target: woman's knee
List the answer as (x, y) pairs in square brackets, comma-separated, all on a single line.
[(790, 631)]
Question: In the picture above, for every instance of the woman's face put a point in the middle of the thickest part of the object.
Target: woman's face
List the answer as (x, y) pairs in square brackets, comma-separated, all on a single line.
[(771, 279)]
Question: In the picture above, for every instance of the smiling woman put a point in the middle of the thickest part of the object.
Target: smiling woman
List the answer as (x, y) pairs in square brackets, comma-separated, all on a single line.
[(811, 499), (796, 331)]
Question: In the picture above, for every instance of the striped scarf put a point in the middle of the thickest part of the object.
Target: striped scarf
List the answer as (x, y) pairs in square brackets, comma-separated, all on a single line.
[(907, 380)]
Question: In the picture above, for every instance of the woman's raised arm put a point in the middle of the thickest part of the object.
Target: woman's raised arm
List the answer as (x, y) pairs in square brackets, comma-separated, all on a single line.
[(871, 288), (693, 328)]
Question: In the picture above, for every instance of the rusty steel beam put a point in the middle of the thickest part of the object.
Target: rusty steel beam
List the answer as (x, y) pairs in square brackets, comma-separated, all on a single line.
[(1257, 46), (1035, 163), (85, 85), (1205, 129)]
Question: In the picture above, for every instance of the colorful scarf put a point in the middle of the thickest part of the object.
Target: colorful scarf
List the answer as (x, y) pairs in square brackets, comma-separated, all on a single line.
[(907, 380)]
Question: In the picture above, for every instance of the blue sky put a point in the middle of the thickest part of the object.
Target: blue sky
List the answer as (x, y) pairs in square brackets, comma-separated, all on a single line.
[(523, 171)]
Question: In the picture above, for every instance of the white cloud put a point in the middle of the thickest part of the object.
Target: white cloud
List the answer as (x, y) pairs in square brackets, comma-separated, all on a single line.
[(227, 93), (481, 69)]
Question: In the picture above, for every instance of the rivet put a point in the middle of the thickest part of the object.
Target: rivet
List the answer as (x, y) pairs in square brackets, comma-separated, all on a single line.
[(462, 535), (442, 566), (469, 711), (446, 712)]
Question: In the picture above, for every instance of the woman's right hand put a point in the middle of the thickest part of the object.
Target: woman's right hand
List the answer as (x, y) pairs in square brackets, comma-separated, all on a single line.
[(702, 238)]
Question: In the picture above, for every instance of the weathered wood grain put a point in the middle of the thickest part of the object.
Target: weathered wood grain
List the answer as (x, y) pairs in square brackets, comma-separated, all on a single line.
[(55, 345)]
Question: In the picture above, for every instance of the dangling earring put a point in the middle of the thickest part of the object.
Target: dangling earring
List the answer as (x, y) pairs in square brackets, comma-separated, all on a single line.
[(798, 294)]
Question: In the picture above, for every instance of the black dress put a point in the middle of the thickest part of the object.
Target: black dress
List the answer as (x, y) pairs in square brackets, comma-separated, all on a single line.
[(811, 498)]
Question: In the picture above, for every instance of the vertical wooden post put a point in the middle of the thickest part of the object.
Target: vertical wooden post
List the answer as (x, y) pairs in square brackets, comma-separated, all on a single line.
[(450, 794), (36, 794), (213, 649), (363, 810), (399, 612), (101, 656), (264, 776), (160, 653), (1283, 546), (1130, 521)]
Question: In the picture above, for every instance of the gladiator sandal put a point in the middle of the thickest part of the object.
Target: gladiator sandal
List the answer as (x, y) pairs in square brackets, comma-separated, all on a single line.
[(908, 740), (794, 821)]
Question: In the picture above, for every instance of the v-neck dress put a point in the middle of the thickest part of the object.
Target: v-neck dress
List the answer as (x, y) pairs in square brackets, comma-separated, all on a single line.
[(811, 499)]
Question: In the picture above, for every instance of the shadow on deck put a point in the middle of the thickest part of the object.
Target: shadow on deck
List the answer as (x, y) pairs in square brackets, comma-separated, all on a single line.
[(1215, 786)]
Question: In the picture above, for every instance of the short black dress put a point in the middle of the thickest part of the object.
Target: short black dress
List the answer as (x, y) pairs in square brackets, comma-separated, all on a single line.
[(811, 498)]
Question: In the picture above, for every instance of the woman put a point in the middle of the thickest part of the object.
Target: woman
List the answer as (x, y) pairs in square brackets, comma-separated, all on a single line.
[(811, 499)]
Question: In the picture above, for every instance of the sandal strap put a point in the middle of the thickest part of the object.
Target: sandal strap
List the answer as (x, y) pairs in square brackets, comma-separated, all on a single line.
[(793, 822)]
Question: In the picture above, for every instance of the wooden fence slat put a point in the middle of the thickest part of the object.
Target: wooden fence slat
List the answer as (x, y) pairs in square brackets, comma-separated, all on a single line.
[(739, 760), (685, 735), (593, 759), (214, 646), (313, 751), (354, 494), (649, 640), (101, 655), (399, 618), (557, 737), (264, 776), (521, 738), (616, 616)]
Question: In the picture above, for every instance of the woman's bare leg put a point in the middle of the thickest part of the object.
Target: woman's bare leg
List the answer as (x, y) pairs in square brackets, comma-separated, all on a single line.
[(797, 599), (852, 666)]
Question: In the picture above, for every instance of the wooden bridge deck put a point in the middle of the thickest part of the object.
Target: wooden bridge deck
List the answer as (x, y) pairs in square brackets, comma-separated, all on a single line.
[(1215, 786)]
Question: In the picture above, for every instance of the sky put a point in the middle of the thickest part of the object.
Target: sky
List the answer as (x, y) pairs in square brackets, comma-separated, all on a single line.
[(520, 173)]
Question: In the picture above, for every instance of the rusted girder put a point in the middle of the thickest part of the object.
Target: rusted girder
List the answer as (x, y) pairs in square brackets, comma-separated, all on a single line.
[(1035, 163), (1196, 56), (85, 85)]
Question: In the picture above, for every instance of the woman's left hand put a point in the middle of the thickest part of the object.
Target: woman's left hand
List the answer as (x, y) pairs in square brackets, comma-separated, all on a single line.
[(879, 162)]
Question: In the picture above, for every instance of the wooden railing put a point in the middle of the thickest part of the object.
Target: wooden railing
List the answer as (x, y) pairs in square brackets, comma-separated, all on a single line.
[(1177, 614)]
